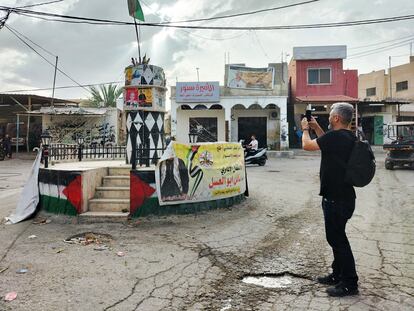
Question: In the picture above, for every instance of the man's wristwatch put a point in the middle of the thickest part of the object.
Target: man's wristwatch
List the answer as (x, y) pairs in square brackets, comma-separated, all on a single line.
[(307, 129)]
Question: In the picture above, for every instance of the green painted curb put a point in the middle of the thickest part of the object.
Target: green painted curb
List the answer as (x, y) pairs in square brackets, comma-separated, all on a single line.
[(151, 207)]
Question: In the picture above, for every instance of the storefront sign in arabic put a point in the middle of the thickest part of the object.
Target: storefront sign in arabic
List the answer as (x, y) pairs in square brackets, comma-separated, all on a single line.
[(203, 172), (240, 77), (196, 92)]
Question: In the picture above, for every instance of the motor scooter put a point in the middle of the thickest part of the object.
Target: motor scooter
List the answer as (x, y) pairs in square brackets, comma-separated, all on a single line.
[(258, 156)]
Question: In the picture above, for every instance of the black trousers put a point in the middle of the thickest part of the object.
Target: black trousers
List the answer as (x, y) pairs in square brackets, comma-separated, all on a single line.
[(336, 214)]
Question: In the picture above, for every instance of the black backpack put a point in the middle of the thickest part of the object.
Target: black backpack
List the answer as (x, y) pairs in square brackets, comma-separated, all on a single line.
[(360, 169)]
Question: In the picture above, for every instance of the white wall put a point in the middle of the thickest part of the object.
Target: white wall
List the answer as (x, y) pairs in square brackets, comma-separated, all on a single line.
[(62, 127), (180, 118), (182, 126)]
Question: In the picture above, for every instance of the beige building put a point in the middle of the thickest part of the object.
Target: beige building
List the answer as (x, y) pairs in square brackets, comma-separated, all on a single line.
[(384, 96), (395, 86)]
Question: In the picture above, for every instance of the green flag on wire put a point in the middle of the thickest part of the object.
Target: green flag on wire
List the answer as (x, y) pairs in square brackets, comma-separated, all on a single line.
[(135, 10)]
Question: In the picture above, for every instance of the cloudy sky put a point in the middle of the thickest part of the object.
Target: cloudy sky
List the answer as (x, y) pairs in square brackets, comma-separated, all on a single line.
[(97, 54)]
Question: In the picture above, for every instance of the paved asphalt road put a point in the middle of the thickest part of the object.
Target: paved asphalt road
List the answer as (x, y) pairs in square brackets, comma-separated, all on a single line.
[(198, 262)]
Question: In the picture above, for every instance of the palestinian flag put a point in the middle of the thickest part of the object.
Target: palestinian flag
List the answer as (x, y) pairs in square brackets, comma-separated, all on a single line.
[(135, 10), (60, 191), (143, 195)]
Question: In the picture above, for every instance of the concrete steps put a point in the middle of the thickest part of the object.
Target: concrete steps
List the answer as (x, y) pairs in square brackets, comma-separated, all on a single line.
[(116, 181), (119, 171), (108, 205), (112, 193), (94, 217), (112, 198)]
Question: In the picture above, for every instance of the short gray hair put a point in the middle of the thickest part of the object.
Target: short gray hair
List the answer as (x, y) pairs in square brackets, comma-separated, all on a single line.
[(344, 110)]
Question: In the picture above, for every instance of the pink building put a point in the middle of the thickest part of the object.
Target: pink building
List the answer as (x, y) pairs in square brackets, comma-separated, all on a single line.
[(317, 77)]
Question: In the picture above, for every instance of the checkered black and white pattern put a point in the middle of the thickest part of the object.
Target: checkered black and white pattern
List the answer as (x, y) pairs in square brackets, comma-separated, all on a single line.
[(145, 130)]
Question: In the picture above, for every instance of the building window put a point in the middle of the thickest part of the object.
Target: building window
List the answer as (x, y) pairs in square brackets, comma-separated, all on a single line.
[(401, 86), (372, 91), (205, 127), (319, 76)]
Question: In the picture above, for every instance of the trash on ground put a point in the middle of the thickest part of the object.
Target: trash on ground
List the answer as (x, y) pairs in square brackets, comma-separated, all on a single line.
[(32, 236), (101, 248), (60, 251), (89, 238), (42, 221), (22, 271), (120, 254), (10, 296), (3, 269)]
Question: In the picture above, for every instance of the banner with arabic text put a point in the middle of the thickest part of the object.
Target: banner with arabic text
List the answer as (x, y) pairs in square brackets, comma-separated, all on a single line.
[(203, 172)]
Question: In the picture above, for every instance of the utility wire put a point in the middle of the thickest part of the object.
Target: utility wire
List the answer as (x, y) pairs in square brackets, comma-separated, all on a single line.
[(379, 43), (238, 14), (48, 52), (38, 4), (44, 58), (63, 18), (380, 49)]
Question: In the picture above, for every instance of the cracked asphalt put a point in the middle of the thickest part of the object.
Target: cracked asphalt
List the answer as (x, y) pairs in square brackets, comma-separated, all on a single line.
[(197, 262)]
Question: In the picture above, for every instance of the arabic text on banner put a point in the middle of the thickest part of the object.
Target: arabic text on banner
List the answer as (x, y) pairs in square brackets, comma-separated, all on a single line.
[(195, 173)]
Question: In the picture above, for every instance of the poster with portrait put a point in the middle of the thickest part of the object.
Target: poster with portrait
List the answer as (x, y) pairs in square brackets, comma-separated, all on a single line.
[(200, 172), (137, 98), (131, 98), (241, 77)]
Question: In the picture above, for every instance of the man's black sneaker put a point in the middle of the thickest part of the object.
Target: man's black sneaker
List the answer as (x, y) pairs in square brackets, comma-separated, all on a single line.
[(329, 279), (341, 290)]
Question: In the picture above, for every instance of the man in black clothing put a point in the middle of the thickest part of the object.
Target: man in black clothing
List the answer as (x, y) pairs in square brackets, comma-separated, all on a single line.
[(338, 197)]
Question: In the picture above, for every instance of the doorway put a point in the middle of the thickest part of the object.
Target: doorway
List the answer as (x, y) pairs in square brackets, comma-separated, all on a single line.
[(247, 126)]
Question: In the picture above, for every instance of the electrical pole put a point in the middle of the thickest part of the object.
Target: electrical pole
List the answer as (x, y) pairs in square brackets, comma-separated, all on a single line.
[(54, 81), (389, 74)]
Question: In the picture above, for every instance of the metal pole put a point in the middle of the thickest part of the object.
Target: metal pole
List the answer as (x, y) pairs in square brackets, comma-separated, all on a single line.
[(389, 73), (17, 134), (54, 81), (139, 45), (198, 76), (46, 155), (28, 123)]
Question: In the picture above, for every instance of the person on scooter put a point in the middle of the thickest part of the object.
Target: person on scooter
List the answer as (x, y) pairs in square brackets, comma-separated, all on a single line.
[(254, 144)]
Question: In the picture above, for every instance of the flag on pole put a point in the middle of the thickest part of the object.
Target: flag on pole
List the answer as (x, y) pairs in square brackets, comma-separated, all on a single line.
[(135, 10)]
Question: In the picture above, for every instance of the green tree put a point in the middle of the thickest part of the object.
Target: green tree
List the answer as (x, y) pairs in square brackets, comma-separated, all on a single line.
[(105, 95)]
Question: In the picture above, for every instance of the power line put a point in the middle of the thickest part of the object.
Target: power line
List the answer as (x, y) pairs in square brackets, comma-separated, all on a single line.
[(62, 87), (238, 14), (379, 43), (48, 52), (44, 58), (275, 27), (38, 4), (380, 49)]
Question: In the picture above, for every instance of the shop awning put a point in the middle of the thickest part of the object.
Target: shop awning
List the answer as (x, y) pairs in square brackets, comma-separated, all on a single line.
[(326, 99)]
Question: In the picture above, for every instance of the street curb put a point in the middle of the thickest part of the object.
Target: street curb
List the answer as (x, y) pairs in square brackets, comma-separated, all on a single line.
[(287, 154)]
